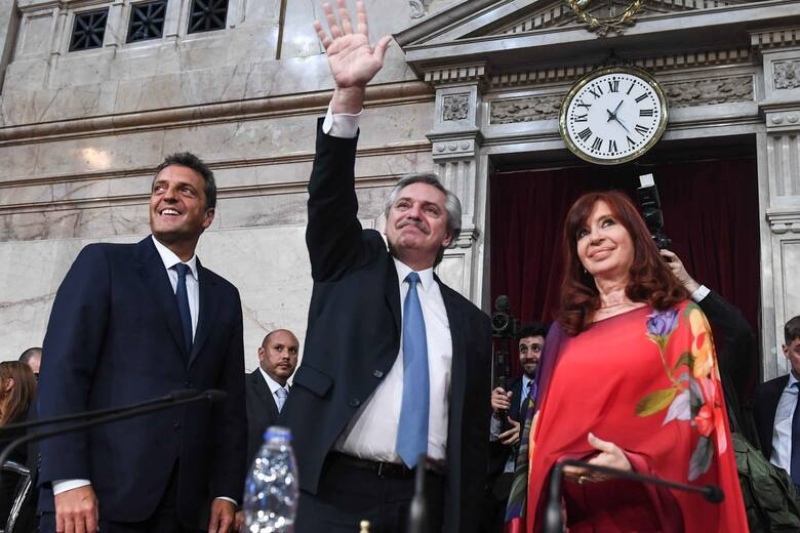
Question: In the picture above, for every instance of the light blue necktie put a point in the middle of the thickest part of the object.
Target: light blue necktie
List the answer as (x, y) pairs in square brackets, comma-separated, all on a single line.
[(280, 397), (412, 433), (182, 296)]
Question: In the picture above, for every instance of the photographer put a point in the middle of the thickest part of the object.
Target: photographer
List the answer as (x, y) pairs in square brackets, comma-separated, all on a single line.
[(508, 405)]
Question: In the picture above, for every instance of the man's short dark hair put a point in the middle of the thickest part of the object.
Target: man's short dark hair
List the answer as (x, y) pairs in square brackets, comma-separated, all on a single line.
[(187, 159), (29, 354), (532, 329), (791, 330)]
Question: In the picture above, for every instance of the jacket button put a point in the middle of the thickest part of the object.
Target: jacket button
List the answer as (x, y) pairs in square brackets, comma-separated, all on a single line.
[(378, 374), (355, 402)]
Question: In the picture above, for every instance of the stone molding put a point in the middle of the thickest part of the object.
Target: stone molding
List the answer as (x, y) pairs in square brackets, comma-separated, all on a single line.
[(775, 38), (708, 58), (273, 106), (783, 222), (460, 74), (690, 93)]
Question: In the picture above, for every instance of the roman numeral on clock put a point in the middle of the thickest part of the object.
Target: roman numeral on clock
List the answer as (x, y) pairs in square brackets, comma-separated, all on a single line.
[(597, 92), (641, 129), (646, 112), (581, 118), (597, 144), (640, 98), (613, 86), (585, 134), (612, 146)]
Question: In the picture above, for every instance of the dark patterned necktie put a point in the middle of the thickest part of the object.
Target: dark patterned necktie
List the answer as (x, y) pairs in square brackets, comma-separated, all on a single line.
[(182, 296), (519, 487), (795, 466)]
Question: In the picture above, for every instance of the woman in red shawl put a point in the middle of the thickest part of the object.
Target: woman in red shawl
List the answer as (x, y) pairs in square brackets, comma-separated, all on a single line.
[(630, 382)]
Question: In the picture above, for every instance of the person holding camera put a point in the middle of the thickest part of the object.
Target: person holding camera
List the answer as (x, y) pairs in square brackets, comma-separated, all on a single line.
[(508, 409)]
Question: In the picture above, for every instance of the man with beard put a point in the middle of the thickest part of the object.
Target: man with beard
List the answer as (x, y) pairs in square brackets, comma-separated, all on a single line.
[(508, 406)]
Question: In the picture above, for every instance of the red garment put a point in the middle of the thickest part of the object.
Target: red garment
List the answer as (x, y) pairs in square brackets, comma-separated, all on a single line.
[(648, 382)]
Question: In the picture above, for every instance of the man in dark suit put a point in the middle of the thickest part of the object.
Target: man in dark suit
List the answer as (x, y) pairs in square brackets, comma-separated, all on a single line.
[(132, 322), (267, 387), (396, 364), (735, 345), (774, 406), (508, 404)]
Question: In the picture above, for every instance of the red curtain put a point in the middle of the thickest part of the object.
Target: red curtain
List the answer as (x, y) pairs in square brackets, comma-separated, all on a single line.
[(710, 213)]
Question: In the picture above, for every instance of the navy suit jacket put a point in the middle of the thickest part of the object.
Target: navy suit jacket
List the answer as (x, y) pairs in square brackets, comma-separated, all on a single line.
[(764, 406), (262, 411), (353, 339), (114, 338)]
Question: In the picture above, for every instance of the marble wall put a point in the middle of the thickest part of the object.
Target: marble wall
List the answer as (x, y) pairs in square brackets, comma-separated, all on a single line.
[(80, 133)]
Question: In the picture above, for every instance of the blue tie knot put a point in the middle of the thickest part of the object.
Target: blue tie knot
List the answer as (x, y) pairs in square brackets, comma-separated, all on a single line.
[(412, 278), (182, 269)]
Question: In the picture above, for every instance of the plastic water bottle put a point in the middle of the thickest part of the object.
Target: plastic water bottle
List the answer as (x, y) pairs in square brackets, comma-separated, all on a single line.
[(271, 490)]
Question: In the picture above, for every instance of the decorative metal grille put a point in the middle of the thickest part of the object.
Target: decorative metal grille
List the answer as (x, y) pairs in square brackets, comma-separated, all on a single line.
[(88, 30), (208, 15), (147, 21)]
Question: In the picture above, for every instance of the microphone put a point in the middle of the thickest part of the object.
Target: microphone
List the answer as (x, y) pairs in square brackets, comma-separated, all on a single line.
[(553, 519), (104, 416), (418, 513), (167, 399)]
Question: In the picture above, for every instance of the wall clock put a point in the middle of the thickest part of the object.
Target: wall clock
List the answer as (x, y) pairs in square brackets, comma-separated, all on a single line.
[(613, 115)]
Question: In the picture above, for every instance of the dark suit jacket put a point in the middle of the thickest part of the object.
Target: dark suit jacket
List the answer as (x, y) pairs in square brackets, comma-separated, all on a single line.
[(114, 338), (764, 406), (262, 411), (737, 354), (353, 338), (499, 452)]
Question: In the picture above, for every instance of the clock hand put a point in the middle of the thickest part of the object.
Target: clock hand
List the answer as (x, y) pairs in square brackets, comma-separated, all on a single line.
[(621, 124), (612, 115)]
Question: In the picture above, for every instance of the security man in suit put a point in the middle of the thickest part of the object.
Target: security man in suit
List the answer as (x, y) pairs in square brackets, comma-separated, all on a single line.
[(775, 409), (133, 322), (396, 367), (267, 386)]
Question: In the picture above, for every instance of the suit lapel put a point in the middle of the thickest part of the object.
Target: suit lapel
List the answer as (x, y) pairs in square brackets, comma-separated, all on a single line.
[(458, 334), (392, 295), (209, 306), (151, 269), (263, 393)]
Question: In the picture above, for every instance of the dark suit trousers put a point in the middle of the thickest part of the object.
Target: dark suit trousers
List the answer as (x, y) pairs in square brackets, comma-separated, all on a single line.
[(164, 520), (347, 495)]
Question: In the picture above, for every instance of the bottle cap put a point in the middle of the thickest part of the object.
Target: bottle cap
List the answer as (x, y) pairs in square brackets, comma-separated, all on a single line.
[(278, 432)]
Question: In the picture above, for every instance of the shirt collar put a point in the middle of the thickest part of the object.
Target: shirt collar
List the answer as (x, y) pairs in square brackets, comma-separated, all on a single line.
[(169, 258), (403, 270), (792, 381), (271, 383)]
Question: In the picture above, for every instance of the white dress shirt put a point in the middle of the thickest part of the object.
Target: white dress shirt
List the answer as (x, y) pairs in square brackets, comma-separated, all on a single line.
[(273, 385), (782, 429), (372, 432)]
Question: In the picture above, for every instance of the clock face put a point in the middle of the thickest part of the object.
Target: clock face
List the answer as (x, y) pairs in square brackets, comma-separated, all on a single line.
[(613, 115)]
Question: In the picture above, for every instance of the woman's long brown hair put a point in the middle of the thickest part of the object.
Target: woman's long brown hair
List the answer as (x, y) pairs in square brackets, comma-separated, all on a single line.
[(651, 280)]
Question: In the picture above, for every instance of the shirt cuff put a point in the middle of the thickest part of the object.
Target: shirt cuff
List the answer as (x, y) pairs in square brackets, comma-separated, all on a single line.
[(495, 427), (234, 502), (63, 485), (342, 125), (700, 293)]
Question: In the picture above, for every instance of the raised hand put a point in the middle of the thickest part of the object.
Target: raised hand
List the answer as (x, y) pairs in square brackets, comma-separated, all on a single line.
[(351, 58)]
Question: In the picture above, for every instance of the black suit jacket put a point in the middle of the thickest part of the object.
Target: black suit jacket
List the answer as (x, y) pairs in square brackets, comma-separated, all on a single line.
[(115, 338), (737, 354), (353, 338), (764, 406), (262, 411)]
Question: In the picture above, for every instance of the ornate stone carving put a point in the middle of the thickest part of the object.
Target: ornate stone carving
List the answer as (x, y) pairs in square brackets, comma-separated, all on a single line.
[(525, 109), (419, 8), (710, 91), (611, 22), (455, 107), (786, 74)]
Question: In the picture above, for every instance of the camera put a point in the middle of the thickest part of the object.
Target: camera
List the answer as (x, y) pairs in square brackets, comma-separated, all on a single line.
[(650, 203), (504, 326)]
